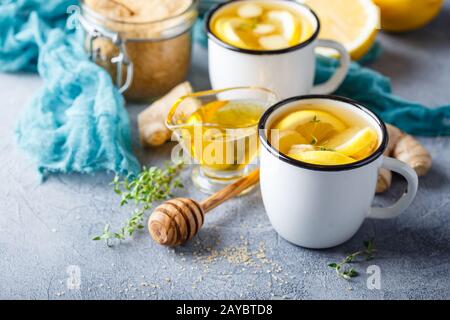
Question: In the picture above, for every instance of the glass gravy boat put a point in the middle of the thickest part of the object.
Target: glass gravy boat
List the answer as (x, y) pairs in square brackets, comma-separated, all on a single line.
[(217, 129)]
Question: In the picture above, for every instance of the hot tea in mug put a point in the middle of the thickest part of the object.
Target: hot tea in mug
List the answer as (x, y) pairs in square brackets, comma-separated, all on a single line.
[(320, 158), (271, 44), (323, 135)]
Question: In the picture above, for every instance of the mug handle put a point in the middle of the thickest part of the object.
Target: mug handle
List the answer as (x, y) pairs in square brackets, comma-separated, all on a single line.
[(407, 198), (335, 81)]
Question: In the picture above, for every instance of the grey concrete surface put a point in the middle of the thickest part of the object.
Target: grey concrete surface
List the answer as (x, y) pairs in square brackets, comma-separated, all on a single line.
[(45, 229)]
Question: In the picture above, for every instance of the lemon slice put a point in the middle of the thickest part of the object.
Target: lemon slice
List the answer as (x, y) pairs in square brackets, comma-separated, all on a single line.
[(354, 142), (249, 10), (299, 148), (290, 28), (322, 157), (284, 140), (273, 42), (314, 125), (301, 117), (227, 29), (263, 28), (354, 23)]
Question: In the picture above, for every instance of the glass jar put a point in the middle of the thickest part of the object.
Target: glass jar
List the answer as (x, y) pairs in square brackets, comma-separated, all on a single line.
[(145, 58)]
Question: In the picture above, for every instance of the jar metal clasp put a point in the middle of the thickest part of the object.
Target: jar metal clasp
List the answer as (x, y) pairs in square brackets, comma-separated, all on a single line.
[(122, 60)]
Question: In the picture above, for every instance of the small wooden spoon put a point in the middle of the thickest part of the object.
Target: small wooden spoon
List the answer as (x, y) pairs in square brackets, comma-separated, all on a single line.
[(178, 220)]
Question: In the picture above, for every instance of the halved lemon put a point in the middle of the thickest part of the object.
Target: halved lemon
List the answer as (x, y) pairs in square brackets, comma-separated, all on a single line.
[(354, 23), (406, 15), (355, 142), (322, 157), (314, 125)]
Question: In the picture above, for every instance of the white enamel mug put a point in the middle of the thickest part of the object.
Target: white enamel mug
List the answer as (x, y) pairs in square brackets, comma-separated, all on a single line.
[(317, 206), (287, 72)]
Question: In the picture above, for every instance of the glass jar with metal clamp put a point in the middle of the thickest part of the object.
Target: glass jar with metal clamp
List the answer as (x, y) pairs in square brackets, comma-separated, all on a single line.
[(146, 58)]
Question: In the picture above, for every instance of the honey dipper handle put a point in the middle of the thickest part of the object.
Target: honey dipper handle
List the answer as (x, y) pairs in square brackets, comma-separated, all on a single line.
[(230, 191)]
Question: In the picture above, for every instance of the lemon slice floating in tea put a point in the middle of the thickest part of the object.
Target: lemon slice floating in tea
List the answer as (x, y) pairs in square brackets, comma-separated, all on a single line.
[(286, 22), (229, 114), (354, 142), (249, 10), (261, 26), (229, 30), (283, 140), (322, 157), (314, 125)]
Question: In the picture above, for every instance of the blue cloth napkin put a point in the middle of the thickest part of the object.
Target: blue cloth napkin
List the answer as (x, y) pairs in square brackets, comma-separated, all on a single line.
[(23, 25), (374, 90), (77, 122)]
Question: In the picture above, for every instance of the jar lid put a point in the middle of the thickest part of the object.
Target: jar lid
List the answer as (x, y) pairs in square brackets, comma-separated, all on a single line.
[(138, 11), (142, 19)]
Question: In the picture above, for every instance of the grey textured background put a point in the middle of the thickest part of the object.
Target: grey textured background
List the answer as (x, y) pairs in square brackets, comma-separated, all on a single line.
[(46, 228)]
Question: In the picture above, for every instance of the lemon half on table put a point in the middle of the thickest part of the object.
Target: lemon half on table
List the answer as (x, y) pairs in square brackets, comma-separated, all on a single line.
[(353, 23), (407, 15)]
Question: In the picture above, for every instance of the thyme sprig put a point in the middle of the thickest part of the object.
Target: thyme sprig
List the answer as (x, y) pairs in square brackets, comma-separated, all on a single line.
[(151, 185), (343, 270)]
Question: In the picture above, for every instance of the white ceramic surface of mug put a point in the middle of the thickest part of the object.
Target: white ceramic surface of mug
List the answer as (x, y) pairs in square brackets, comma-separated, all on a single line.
[(288, 72), (318, 206)]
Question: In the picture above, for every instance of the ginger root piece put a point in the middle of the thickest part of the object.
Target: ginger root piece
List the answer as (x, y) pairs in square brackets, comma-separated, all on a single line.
[(395, 134), (405, 148), (152, 121), (385, 176), (410, 151), (384, 180)]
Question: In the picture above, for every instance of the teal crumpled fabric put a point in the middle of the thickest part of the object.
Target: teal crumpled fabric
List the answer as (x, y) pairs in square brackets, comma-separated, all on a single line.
[(23, 25), (374, 91), (77, 122)]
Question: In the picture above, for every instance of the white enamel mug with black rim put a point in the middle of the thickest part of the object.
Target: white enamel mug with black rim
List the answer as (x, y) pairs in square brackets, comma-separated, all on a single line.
[(288, 72), (316, 206)]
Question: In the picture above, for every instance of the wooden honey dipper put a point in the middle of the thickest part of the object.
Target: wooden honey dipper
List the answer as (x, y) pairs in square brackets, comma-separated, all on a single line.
[(178, 220)]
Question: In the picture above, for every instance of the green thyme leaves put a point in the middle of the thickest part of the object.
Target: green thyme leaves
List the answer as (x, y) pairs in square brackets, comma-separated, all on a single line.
[(151, 185), (343, 269)]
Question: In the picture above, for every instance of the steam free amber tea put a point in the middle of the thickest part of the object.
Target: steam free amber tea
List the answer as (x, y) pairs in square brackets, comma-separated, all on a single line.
[(222, 135), (218, 130), (319, 134), (259, 25)]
